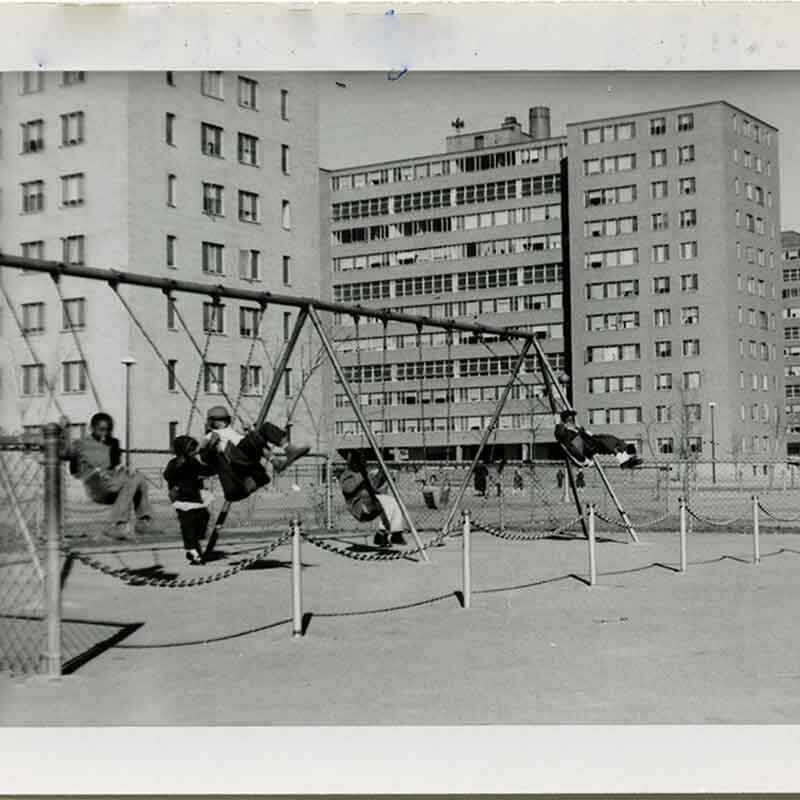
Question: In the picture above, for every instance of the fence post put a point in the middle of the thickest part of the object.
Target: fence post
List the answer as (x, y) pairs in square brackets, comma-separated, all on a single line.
[(682, 504), (756, 531), (592, 560), (52, 524), (297, 581), (466, 549), (328, 494)]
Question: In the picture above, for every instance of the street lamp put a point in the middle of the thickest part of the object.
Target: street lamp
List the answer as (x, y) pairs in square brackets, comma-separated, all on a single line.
[(712, 405), (128, 361)]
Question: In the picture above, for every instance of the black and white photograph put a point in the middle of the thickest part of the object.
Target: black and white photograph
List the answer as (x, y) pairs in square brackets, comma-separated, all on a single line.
[(399, 397)]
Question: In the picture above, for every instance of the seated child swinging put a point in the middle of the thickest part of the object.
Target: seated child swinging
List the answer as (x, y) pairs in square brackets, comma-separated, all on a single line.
[(360, 491), (185, 475), (582, 446), (237, 456)]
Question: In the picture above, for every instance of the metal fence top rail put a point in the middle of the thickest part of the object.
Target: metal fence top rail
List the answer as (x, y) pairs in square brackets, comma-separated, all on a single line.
[(218, 291)]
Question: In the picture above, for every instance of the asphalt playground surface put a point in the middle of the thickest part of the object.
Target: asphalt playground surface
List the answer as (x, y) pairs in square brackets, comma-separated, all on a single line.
[(389, 643)]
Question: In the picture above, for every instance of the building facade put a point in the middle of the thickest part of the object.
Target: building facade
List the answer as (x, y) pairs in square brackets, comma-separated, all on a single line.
[(210, 177), (473, 233), (675, 280), (790, 251)]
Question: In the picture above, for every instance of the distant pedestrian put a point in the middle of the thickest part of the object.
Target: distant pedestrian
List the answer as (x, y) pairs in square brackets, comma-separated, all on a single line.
[(580, 481), (560, 478), (518, 485), (480, 477)]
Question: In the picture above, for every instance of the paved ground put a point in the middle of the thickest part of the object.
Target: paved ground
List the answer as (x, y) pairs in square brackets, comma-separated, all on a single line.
[(647, 645)]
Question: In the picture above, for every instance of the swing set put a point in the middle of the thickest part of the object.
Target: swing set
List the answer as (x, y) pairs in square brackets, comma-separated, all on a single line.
[(309, 313)]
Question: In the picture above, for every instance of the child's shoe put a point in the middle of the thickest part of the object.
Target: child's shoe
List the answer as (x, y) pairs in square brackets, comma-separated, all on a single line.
[(194, 558)]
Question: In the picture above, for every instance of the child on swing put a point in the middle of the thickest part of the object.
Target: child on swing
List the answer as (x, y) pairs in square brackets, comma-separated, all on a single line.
[(185, 475), (582, 446), (237, 456)]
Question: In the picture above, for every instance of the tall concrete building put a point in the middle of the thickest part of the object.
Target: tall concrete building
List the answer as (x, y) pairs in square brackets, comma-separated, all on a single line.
[(675, 280), (790, 247), (209, 177), (472, 233)]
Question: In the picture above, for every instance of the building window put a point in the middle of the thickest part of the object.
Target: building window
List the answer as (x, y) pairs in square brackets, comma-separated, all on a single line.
[(658, 126), (249, 322), (286, 215), (72, 189), (169, 128), (658, 158), (686, 122), (690, 315), (688, 250), (211, 84), (172, 324), (211, 139), (285, 163), (212, 199), (33, 317), (663, 413), (686, 154), (33, 136), (33, 380), (214, 378), (251, 380), (287, 325), (690, 282), (31, 82), (170, 78), (73, 250), (248, 92), (73, 374), (73, 314), (660, 221), (662, 317), (172, 181), (691, 380), (248, 207), (687, 185), (659, 253), (287, 382), (285, 104), (171, 244), (212, 258), (658, 189), (688, 218), (663, 381), (287, 271), (172, 432), (33, 250), (172, 381), (250, 265), (72, 128), (691, 347), (664, 446), (663, 349), (71, 78), (214, 318), (248, 149), (32, 196), (661, 285)]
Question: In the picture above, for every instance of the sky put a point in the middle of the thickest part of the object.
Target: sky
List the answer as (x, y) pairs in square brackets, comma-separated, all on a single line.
[(373, 118)]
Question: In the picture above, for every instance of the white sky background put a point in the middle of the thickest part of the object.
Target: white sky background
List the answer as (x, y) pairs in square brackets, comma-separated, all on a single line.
[(376, 119)]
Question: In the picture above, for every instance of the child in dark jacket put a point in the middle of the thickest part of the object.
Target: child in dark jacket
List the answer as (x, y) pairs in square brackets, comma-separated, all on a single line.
[(185, 476)]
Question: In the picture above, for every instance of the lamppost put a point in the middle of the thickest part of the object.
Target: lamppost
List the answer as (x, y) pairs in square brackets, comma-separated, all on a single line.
[(712, 405), (128, 361)]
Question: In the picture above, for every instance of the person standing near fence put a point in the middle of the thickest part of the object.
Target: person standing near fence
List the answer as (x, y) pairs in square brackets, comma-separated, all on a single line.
[(96, 460)]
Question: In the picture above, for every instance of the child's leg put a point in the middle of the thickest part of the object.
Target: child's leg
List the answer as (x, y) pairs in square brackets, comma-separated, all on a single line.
[(193, 527)]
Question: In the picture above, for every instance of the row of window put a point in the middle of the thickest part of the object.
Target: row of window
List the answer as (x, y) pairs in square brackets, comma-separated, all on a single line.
[(751, 129), (756, 286), (754, 193), (72, 132), (621, 195), (34, 82), (751, 161), (477, 422), (249, 204), (467, 222), (212, 84), (72, 193), (73, 315), (248, 149), (457, 282), (450, 252), (449, 166), (757, 382), (612, 290), (758, 319), (609, 165), (215, 319), (622, 320), (760, 350), (454, 396), (73, 250), (752, 223)]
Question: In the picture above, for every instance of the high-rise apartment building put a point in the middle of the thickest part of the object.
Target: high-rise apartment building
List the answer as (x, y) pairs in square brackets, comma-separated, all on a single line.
[(790, 247), (675, 280), (210, 177), (473, 233)]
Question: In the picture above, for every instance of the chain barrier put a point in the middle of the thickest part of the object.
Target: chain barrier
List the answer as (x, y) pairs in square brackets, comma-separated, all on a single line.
[(129, 575), (525, 537), (716, 523), (394, 555), (776, 518), (639, 525)]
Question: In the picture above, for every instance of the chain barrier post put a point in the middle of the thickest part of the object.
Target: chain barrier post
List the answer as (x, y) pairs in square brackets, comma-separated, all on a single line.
[(756, 531), (592, 559), (52, 524), (297, 581), (682, 504), (467, 560)]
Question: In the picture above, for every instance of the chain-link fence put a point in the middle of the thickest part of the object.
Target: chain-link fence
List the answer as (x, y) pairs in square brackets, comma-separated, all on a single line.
[(23, 631)]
